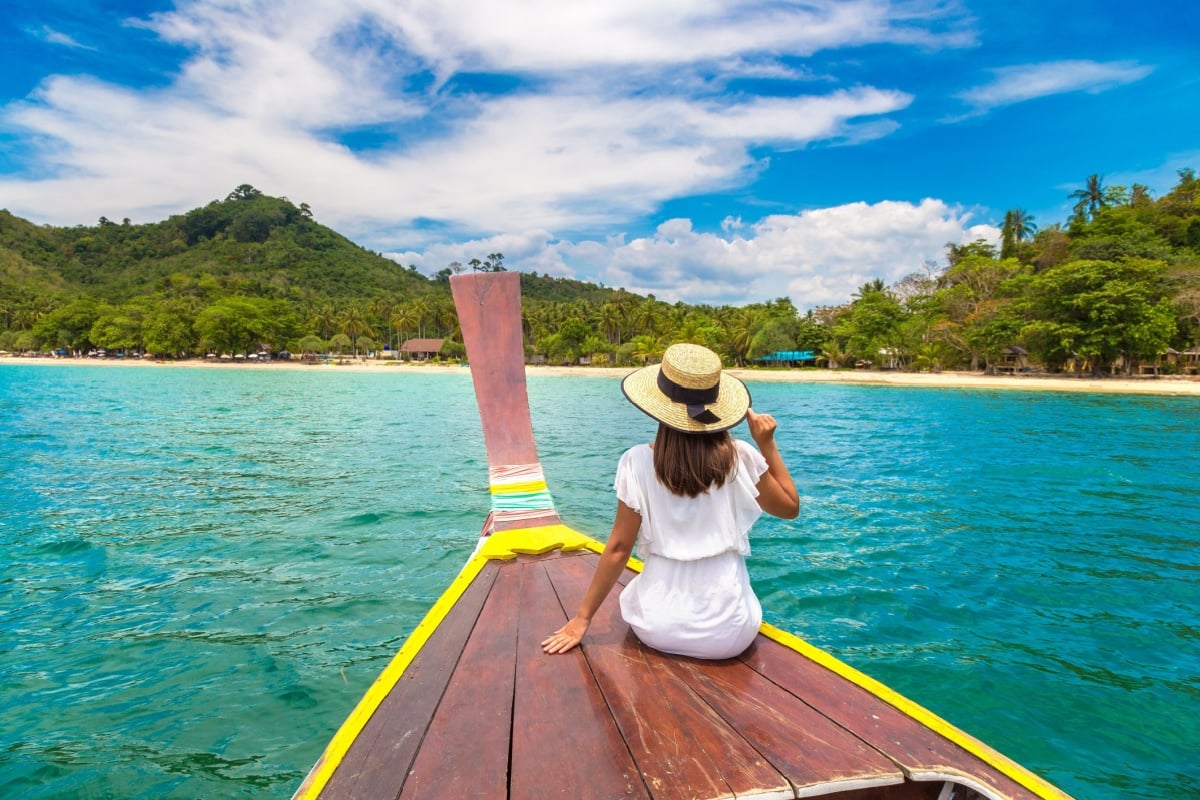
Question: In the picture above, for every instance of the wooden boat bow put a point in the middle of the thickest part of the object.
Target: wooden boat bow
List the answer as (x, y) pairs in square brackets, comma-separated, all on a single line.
[(471, 707)]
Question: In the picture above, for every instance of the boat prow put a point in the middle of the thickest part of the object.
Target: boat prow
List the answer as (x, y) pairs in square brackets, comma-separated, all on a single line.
[(471, 707)]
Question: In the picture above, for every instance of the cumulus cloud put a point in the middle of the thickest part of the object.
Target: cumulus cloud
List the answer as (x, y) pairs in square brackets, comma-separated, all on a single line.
[(548, 161), (1030, 81), (550, 35), (591, 135), (485, 120), (816, 257)]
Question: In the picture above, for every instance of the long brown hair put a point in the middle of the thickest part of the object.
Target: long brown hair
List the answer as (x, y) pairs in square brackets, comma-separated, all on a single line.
[(689, 463)]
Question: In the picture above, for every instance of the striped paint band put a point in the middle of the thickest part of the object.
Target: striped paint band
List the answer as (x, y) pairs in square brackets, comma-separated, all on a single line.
[(519, 492), (523, 501), (515, 473), (523, 487)]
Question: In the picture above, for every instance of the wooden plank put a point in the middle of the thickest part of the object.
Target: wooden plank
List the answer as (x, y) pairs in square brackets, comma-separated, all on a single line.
[(810, 750), (549, 518), (912, 745), (565, 743), (489, 314), (682, 748), (383, 751), (465, 752)]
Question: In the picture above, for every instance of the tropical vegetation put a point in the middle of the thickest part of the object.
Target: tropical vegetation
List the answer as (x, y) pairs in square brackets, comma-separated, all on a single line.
[(1116, 286)]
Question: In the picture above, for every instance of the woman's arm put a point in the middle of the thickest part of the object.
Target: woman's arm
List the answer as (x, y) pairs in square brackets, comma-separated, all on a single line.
[(612, 562), (777, 493)]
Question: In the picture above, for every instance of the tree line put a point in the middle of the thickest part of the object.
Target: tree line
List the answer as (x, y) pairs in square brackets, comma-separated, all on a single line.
[(1117, 285)]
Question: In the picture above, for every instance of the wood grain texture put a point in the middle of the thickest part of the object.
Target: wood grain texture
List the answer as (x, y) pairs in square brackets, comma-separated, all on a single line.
[(907, 742), (808, 748), (465, 751), (383, 751), (565, 743), (683, 749), (489, 314)]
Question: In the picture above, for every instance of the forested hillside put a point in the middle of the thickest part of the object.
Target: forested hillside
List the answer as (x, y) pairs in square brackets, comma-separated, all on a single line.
[(248, 244), (1115, 287)]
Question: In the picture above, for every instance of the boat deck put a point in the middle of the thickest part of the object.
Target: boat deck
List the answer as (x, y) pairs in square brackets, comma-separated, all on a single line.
[(480, 711)]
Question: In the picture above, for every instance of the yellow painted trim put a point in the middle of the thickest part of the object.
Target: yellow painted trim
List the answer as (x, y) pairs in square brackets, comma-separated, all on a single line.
[(387, 680), (519, 488), (505, 545), (533, 541), (1000, 762), (502, 545)]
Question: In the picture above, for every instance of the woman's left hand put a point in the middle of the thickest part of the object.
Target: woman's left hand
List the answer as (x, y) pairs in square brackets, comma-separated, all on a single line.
[(566, 637)]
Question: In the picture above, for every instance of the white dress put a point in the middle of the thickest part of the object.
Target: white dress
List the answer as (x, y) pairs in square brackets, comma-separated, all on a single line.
[(693, 596)]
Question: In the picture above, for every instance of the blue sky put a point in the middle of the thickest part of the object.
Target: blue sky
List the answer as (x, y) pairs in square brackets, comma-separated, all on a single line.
[(703, 151)]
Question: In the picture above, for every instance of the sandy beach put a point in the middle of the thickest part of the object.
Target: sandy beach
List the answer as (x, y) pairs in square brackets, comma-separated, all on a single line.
[(1161, 385)]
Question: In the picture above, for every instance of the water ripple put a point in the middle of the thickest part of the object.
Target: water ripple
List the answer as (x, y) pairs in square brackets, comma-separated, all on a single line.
[(204, 570)]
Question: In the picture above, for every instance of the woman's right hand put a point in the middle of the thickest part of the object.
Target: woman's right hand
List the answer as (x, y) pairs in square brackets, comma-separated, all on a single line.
[(762, 428), (565, 638), (777, 493)]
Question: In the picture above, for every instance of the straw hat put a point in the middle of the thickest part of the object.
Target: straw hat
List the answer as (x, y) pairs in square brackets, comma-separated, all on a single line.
[(688, 391)]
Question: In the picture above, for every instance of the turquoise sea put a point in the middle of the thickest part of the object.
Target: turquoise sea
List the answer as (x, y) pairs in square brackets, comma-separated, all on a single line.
[(201, 570)]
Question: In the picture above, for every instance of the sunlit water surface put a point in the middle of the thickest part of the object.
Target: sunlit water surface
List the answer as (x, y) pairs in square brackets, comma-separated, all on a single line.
[(201, 571)]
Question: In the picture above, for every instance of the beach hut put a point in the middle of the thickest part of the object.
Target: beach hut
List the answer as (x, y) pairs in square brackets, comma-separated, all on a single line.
[(1167, 358), (1014, 359), (1189, 361), (421, 349)]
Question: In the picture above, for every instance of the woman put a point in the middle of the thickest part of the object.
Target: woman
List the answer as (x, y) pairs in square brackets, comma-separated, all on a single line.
[(690, 500)]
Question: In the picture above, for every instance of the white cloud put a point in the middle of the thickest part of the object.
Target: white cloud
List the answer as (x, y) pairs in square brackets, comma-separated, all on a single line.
[(549, 161), (1017, 84), (816, 257), (52, 36), (610, 109), (550, 35)]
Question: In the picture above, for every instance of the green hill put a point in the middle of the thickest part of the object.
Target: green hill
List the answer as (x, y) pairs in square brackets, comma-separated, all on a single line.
[(241, 273), (248, 243), (1115, 289)]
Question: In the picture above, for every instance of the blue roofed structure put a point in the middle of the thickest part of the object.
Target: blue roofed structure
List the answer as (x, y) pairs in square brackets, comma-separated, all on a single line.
[(787, 358)]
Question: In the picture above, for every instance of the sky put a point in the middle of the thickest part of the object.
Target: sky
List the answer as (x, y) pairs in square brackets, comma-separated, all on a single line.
[(696, 150)]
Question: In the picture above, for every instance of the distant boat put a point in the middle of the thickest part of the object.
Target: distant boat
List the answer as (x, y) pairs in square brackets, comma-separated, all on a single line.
[(471, 707)]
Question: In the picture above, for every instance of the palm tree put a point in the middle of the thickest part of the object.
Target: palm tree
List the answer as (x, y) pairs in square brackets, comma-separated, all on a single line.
[(609, 319), (1018, 226), (420, 310), (326, 320), (644, 317), (445, 316), (741, 326), (1023, 226), (381, 308), (354, 324), (403, 320), (876, 286), (928, 358), (834, 355), (646, 348), (1090, 199)]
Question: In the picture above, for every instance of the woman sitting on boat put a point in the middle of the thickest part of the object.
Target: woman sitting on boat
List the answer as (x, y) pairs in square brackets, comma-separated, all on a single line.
[(689, 501)]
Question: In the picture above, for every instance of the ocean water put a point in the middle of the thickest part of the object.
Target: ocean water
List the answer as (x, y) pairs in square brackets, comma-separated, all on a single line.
[(201, 571)]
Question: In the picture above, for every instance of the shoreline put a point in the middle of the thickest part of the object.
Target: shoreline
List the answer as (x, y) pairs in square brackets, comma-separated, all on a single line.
[(1159, 385)]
